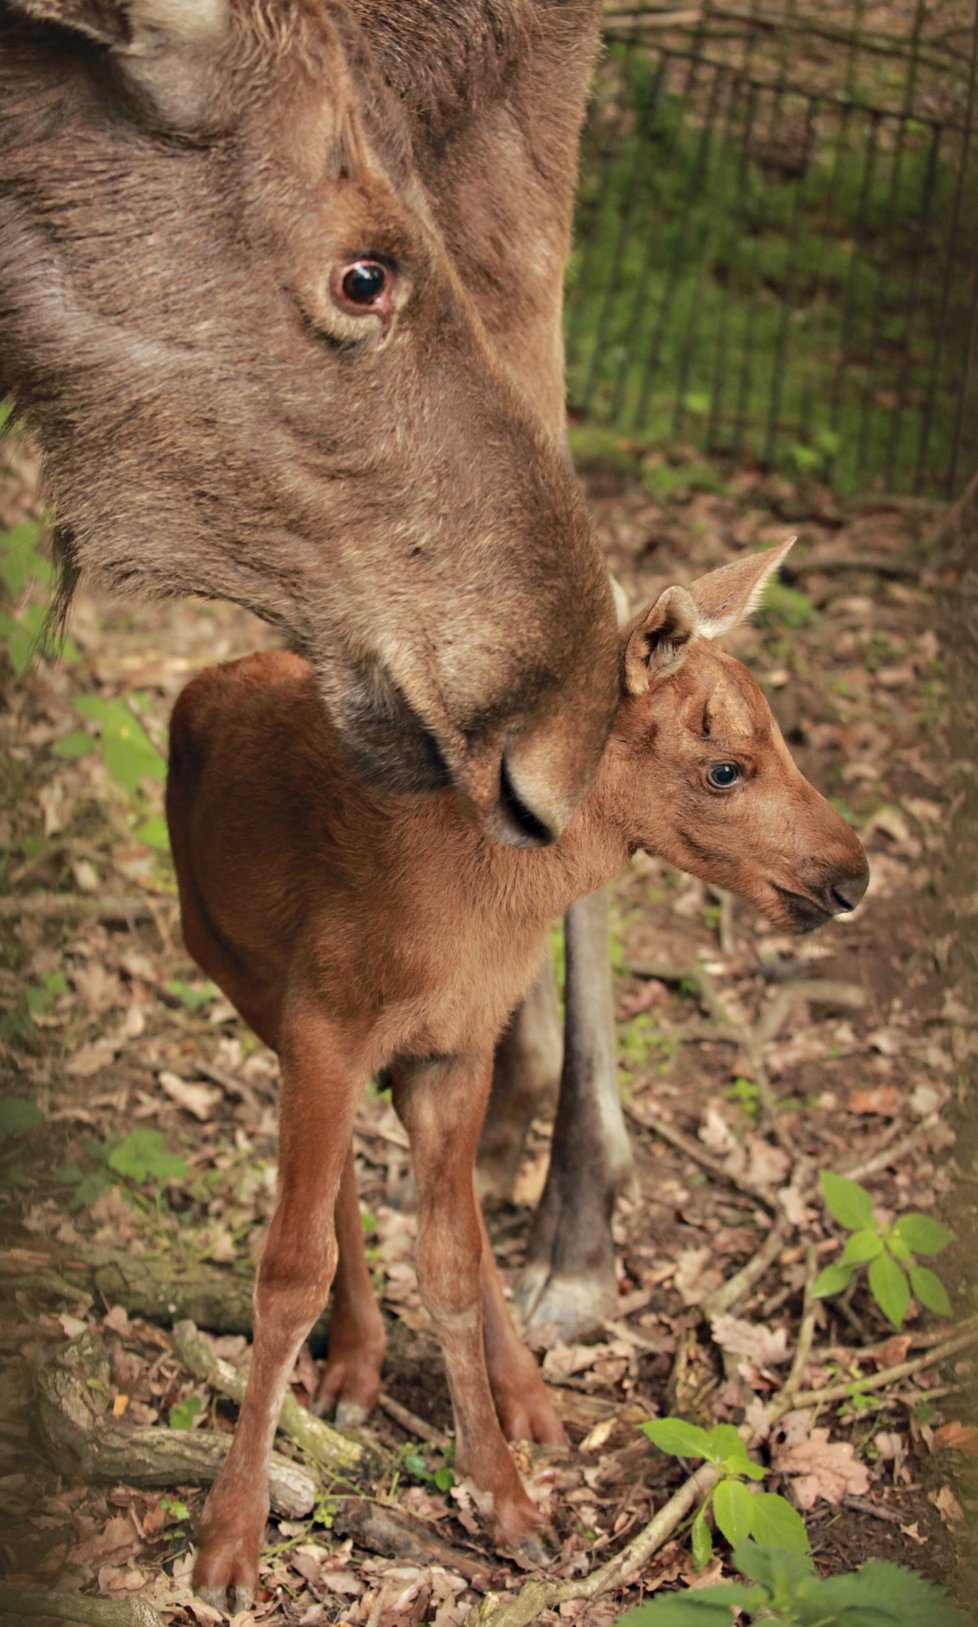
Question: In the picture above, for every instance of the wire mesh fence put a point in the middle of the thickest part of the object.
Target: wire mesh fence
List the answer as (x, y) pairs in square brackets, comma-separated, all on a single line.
[(777, 238)]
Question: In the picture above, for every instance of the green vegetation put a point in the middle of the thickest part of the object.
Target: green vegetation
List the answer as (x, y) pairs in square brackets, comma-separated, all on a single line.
[(887, 1249), (738, 1513), (796, 311), (782, 1587)]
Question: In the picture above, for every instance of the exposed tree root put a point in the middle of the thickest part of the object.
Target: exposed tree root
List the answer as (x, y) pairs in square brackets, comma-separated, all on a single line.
[(38, 1604)]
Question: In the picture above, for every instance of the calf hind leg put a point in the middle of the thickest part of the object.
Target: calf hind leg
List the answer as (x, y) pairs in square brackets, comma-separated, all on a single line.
[(350, 1381), (441, 1104)]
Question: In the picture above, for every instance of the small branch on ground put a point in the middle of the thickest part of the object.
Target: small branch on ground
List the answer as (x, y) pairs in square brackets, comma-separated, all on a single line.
[(334, 1452), (41, 1605), (411, 1423), (537, 1596), (82, 1441), (692, 1149)]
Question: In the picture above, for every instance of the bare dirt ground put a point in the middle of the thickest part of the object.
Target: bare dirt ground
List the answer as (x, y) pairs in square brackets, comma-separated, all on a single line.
[(749, 1061)]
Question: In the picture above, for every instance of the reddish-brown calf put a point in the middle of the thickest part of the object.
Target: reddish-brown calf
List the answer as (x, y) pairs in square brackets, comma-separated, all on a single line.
[(357, 930)]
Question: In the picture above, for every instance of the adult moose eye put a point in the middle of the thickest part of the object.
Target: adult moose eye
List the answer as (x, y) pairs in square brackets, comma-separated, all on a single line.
[(363, 286), (723, 775)]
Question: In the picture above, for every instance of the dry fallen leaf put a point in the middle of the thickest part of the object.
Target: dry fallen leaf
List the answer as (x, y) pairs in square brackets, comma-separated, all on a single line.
[(765, 1346), (200, 1100), (959, 1437), (819, 1467)]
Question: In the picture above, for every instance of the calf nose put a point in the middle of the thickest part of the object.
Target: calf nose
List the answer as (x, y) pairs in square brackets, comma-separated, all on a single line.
[(846, 891)]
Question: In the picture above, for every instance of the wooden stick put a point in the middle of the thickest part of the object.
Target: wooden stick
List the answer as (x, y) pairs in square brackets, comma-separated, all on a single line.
[(40, 1604)]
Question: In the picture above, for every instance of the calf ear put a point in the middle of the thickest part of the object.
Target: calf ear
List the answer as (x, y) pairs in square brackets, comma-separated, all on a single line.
[(163, 46), (728, 595), (657, 640)]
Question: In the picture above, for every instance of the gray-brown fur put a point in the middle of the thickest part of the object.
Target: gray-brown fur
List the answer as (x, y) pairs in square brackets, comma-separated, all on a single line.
[(170, 208)]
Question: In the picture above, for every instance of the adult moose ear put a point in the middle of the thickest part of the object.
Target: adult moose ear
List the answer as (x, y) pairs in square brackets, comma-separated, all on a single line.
[(657, 640), (728, 595), (164, 48)]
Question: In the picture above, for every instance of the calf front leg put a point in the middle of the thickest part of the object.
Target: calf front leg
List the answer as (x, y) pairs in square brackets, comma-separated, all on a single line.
[(318, 1102), (441, 1104), (568, 1285)]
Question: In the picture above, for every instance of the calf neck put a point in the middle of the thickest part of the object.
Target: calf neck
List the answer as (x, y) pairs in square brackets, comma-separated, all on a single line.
[(358, 931)]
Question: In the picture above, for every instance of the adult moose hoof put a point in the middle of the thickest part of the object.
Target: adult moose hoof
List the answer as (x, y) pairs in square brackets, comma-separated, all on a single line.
[(553, 1304)]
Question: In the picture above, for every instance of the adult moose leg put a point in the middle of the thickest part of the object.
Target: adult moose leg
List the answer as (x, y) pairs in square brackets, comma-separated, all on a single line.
[(525, 1077), (568, 1284), (318, 1102), (441, 1103)]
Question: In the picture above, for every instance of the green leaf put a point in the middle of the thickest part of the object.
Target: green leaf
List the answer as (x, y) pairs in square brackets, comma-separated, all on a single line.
[(678, 1610), (18, 1114), (183, 1414), (902, 1596), (728, 1445), (776, 1524), (929, 1289), (679, 1439), (922, 1233), (154, 833), (76, 744), (890, 1288), (702, 1540), (832, 1280), (775, 1567), (861, 1247), (444, 1479), (21, 562), (733, 1510), (141, 1156), (847, 1202)]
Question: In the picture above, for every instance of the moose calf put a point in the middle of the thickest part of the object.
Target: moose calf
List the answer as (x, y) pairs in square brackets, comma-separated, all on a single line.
[(357, 930)]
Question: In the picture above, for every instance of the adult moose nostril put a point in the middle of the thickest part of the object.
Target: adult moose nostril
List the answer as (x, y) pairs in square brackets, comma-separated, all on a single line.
[(521, 826), (845, 894)]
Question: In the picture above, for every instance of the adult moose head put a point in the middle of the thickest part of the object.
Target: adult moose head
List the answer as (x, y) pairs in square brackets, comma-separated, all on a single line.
[(230, 312)]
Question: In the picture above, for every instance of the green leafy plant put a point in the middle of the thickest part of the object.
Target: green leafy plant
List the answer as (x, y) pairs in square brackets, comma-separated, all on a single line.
[(192, 996), (24, 568), (737, 1511), (888, 1250), (439, 1478), (127, 750), (142, 1156), (783, 1587), (184, 1413), (18, 1114)]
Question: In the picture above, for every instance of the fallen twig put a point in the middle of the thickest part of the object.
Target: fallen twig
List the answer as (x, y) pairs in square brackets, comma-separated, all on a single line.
[(410, 1422), (878, 1381), (338, 1454), (40, 1604), (537, 1596), (692, 1149), (735, 1287)]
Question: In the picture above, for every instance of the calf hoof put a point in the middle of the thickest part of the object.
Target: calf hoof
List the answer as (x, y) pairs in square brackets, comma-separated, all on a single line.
[(226, 1576), (530, 1416), (347, 1391)]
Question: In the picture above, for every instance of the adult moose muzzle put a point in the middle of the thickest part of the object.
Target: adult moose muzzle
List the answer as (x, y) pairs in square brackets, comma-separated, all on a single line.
[(276, 388)]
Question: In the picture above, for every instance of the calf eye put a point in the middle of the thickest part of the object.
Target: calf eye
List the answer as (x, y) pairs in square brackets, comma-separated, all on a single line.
[(363, 284), (723, 775)]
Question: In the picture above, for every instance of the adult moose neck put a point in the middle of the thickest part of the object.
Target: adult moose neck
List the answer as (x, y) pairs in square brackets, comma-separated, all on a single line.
[(281, 302)]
